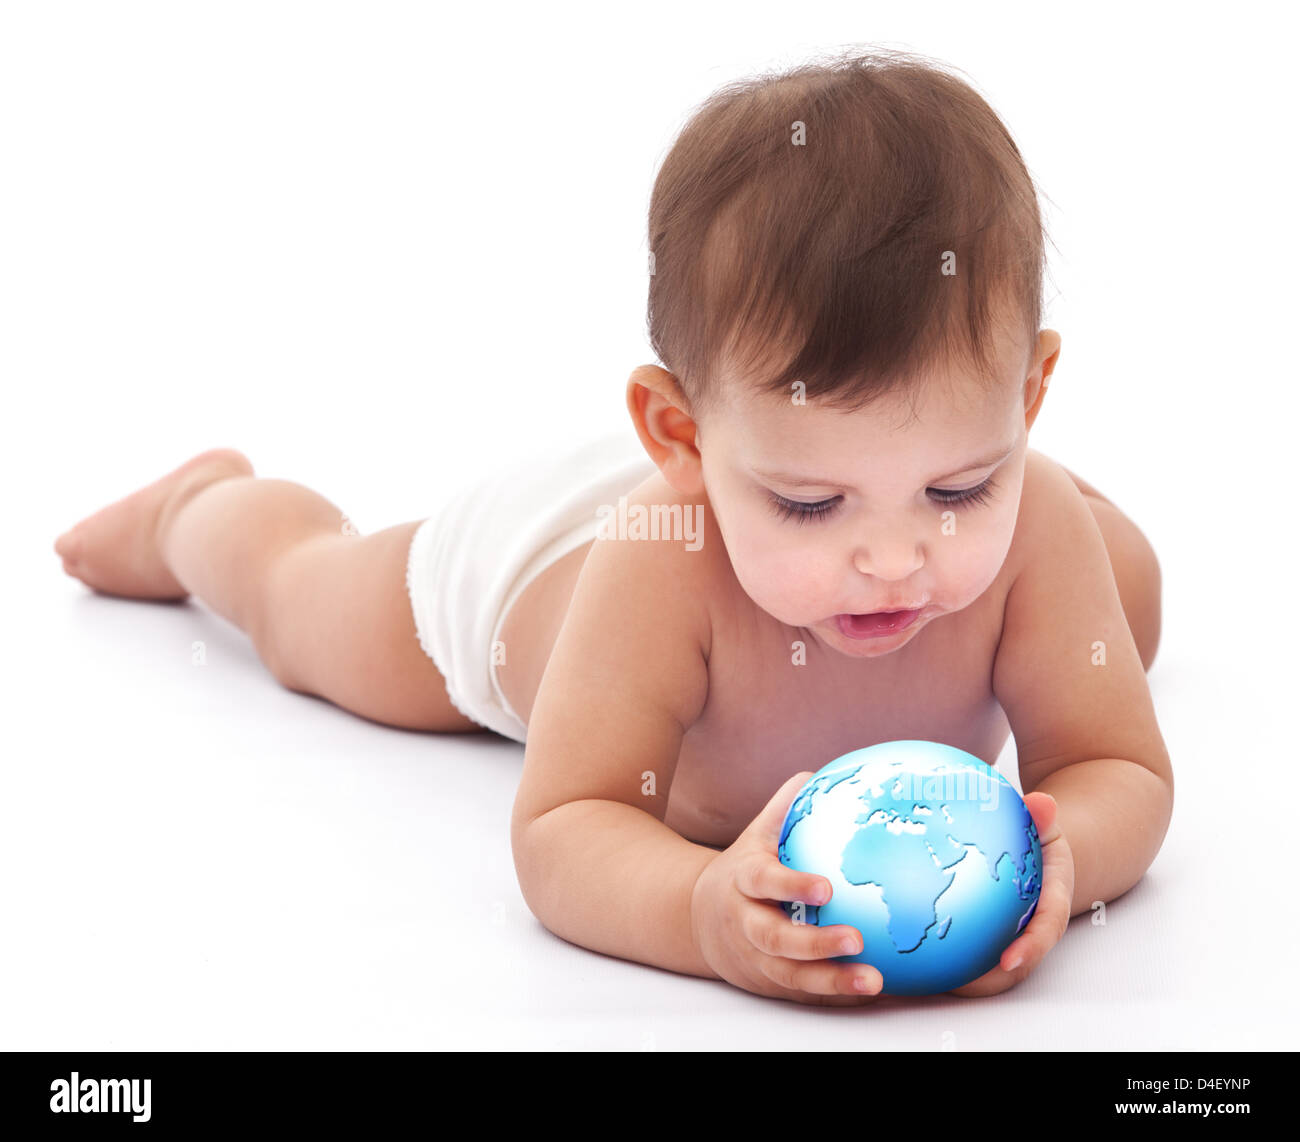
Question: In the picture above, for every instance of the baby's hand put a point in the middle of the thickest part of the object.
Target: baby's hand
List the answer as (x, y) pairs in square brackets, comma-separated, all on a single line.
[(1050, 917), (750, 941)]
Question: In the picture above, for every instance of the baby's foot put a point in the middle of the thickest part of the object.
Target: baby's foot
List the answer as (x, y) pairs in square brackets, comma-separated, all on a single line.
[(116, 550)]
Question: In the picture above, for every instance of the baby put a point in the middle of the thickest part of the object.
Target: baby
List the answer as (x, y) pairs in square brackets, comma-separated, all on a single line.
[(827, 531)]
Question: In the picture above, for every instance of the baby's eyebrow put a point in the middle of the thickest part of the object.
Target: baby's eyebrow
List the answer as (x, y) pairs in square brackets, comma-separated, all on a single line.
[(798, 479)]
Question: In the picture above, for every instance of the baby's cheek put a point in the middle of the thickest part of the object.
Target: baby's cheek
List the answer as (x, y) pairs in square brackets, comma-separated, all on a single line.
[(785, 584), (969, 568), (758, 567)]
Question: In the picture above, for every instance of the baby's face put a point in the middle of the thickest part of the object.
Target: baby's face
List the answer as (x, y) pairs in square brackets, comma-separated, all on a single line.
[(828, 515)]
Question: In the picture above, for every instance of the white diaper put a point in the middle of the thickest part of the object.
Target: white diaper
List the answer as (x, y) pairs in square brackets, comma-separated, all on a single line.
[(472, 559)]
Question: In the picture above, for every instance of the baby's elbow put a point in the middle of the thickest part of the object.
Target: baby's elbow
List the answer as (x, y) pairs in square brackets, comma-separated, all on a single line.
[(1164, 811), (529, 865), (537, 846)]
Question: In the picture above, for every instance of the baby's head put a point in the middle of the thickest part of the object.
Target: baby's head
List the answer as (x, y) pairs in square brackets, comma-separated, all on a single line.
[(846, 295)]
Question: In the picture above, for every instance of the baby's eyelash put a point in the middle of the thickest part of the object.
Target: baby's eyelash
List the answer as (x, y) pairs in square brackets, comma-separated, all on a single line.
[(800, 512), (793, 509), (970, 496)]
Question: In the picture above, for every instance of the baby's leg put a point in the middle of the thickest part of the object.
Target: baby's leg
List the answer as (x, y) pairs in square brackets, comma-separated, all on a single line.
[(327, 609), (1136, 569)]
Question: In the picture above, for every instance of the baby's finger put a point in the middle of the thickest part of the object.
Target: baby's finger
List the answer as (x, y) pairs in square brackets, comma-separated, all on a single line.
[(1042, 807), (1048, 923), (992, 982), (764, 831), (820, 977), (762, 876), (773, 933)]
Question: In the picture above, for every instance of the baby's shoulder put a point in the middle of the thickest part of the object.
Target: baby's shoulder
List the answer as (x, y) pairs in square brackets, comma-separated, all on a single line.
[(662, 548), (1048, 499)]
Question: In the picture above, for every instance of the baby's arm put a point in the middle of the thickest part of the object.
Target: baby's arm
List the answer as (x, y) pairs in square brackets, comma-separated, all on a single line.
[(596, 863), (1070, 679), (627, 677)]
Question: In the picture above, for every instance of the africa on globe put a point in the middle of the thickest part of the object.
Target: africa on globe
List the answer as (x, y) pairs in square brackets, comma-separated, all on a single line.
[(931, 855)]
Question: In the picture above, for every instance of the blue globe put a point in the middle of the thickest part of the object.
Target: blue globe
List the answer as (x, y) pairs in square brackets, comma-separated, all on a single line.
[(931, 855)]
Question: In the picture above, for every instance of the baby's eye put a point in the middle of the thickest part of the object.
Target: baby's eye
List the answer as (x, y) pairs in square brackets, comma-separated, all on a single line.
[(967, 496), (799, 512)]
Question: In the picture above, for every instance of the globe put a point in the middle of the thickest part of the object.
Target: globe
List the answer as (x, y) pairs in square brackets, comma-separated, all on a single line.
[(931, 855)]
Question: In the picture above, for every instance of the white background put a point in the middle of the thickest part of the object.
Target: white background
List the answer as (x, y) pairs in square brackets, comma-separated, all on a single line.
[(377, 246)]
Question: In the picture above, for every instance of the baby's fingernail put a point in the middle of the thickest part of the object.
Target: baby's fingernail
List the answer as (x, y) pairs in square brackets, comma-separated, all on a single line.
[(1015, 962)]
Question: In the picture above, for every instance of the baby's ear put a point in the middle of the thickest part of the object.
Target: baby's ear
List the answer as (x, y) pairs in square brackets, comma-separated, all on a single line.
[(651, 375), (658, 408), (1047, 353)]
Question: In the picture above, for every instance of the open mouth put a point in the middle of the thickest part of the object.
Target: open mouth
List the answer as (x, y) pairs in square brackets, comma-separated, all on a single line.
[(875, 625)]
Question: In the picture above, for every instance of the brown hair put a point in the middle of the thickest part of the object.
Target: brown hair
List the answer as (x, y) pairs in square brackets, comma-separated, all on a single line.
[(826, 257)]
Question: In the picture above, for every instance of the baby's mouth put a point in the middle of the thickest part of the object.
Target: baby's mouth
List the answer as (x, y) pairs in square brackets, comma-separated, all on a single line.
[(876, 625)]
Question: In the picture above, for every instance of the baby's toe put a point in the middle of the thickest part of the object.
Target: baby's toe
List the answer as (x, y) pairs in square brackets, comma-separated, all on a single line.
[(67, 545)]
